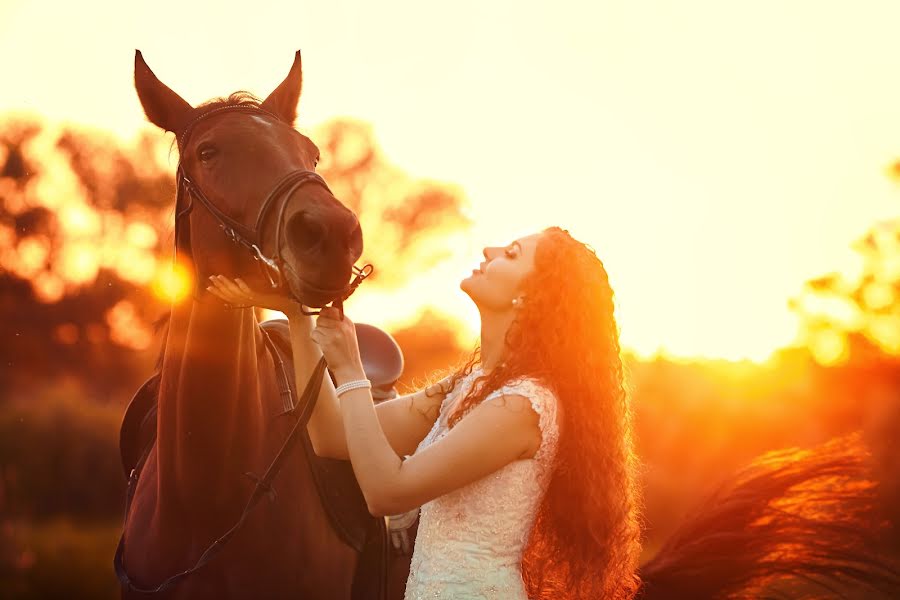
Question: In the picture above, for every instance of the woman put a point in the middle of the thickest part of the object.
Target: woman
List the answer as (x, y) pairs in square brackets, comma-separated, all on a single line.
[(522, 460)]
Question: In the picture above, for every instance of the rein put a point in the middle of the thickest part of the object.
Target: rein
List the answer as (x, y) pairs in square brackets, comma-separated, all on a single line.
[(263, 484), (273, 267)]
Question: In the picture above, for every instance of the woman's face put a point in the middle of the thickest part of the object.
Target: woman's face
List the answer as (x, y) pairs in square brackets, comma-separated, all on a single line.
[(498, 280)]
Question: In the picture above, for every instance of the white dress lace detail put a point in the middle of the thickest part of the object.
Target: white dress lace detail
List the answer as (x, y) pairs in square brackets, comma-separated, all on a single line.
[(470, 542)]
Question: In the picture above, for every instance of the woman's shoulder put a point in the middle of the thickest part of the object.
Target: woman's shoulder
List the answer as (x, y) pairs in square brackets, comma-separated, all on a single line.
[(527, 386), (540, 395), (544, 402)]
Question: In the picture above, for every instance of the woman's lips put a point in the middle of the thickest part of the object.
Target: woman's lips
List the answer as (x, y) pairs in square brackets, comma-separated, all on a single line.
[(479, 270)]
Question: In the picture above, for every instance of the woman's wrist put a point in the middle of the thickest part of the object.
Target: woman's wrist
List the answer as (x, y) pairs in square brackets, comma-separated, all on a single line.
[(347, 373), (294, 312)]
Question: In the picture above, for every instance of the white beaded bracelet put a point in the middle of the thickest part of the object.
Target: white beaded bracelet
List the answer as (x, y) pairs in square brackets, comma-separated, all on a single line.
[(353, 385)]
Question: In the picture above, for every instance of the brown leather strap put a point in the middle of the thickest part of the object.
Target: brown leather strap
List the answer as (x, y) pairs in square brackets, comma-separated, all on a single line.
[(263, 487)]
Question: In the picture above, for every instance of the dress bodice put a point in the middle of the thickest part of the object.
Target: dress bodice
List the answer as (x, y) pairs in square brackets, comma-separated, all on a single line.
[(470, 541)]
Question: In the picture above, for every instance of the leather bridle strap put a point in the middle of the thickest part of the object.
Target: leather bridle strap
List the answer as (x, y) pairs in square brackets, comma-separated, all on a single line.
[(249, 238), (263, 487), (242, 234), (286, 186)]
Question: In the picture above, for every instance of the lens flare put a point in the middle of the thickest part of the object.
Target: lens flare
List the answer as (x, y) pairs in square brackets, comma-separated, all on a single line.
[(173, 282)]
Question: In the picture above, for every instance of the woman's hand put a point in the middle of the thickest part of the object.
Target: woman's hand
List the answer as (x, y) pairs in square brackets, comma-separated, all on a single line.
[(239, 293), (337, 339)]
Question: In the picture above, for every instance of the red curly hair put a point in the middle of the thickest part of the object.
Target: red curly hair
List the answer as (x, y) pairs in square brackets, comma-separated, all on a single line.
[(585, 541)]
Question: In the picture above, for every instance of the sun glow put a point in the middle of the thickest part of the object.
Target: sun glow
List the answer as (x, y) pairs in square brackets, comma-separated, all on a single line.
[(173, 282), (711, 178)]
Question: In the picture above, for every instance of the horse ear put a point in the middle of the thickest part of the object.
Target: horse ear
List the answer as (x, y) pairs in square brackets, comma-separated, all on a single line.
[(283, 101), (163, 107)]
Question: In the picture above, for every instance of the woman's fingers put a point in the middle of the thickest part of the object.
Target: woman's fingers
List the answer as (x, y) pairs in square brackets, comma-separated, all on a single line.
[(232, 287), (243, 286), (330, 312), (326, 323), (226, 290), (317, 336), (222, 293), (330, 317), (215, 292)]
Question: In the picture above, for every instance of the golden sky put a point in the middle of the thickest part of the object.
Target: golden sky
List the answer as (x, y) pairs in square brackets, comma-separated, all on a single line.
[(716, 154)]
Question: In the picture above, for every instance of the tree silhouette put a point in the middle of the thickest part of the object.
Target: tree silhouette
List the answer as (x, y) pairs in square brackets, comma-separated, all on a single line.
[(86, 235), (81, 226), (856, 316), (408, 223)]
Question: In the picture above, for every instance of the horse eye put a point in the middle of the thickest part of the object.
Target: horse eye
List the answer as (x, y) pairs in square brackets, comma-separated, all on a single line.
[(207, 153)]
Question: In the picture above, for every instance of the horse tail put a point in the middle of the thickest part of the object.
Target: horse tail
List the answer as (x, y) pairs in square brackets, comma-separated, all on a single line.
[(794, 523)]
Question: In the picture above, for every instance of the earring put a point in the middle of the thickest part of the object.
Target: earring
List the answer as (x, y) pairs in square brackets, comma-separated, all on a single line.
[(515, 302)]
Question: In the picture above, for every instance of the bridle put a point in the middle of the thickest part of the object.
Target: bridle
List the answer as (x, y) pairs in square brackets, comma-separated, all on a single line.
[(273, 267)]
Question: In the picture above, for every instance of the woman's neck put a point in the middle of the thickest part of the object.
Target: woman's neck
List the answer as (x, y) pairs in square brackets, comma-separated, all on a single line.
[(493, 338)]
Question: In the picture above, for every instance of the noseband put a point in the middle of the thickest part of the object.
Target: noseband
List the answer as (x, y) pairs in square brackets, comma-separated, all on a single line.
[(273, 267)]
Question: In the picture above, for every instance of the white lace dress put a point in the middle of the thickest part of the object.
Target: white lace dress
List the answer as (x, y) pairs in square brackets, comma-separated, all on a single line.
[(470, 541)]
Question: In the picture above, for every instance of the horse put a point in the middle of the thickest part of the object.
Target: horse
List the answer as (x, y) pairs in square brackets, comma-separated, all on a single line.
[(209, 514)]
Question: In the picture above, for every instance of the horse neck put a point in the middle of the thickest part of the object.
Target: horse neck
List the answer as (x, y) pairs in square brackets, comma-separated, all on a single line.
[(214, 393)]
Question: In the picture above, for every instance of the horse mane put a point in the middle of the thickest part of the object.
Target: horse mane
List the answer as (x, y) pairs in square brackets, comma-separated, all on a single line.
[(238, 98)]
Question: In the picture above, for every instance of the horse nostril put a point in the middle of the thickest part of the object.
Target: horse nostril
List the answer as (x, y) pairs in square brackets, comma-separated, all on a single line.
[(304, 232)]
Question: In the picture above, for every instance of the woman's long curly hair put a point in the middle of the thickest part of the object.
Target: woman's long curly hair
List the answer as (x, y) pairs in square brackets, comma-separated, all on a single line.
[(585, 541)]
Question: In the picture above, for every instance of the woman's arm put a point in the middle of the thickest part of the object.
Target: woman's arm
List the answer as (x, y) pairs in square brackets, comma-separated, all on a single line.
[(405, 420), (497, 432), (325, 427)]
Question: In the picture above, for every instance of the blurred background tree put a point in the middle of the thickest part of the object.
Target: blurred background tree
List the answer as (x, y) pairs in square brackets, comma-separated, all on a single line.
[(85, 270), (856, 316), (408, 223), (85, 237)]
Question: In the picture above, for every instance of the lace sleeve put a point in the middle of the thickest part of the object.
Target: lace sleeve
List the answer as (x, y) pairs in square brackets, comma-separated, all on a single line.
[(543, 402)]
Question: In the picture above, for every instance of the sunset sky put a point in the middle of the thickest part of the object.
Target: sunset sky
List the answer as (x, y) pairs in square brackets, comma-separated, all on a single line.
[(716, 154)]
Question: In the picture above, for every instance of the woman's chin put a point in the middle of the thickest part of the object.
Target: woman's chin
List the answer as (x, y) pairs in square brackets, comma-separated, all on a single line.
[(466, 285)]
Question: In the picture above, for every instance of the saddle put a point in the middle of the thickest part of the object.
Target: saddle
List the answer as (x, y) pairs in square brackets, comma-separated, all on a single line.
[(335, 481)]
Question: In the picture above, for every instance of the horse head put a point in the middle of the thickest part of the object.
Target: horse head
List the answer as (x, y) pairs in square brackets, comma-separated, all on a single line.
[(254, 174)]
